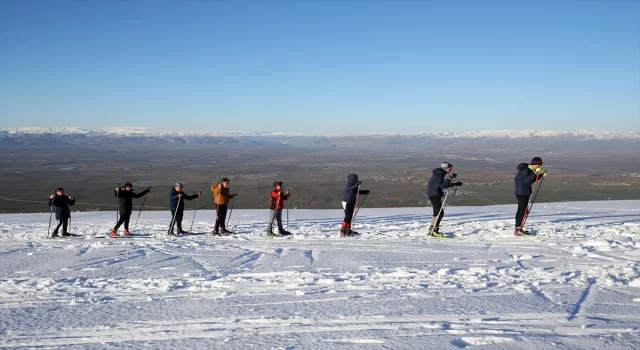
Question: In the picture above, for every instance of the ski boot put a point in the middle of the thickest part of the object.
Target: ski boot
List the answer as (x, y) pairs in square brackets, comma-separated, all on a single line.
[(284, 232), (435, 232), (54, 234), (65, 234), (114, 234), (126, 233), (215, 233), (520, 232), (351, 232), (224, 231), (270, 233)]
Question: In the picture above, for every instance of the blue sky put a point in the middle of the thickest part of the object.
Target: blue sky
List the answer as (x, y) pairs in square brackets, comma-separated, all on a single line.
[(321, 66)]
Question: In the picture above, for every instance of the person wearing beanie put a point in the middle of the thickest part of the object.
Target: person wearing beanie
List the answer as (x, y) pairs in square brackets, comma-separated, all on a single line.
[(176, 203), (63, 212), (527, 174), (276, 204), (125, 201), (349, 203), (437, 183), (221, 198)]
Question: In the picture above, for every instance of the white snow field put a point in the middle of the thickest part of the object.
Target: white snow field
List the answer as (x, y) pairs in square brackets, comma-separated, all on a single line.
[(575, 286)]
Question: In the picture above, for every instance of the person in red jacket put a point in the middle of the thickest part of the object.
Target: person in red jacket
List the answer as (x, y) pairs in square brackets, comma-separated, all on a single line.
[(278, 196)]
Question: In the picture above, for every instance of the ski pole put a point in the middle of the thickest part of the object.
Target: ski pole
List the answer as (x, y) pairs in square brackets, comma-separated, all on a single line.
[(532, 199), (173, 220), (142, 206), (194, 214), (360, 205), (118, 201), (50, 215), (231, 211), (353, 219), (444, 204)]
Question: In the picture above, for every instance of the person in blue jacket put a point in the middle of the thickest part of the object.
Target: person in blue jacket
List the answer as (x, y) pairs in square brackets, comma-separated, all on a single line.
[(349, 203), (63, 212), (177, 198), (435, 192), (527, 175)]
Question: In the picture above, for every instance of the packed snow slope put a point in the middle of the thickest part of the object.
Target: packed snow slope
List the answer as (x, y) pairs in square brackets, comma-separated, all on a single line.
[(575, 286)]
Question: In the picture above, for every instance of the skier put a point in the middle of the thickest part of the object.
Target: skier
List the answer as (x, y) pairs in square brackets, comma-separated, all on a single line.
[(349, 203), (177, 198), (276, 204), (63, 212), (527, 175), (125, 199), (435, 192), (221, 198)]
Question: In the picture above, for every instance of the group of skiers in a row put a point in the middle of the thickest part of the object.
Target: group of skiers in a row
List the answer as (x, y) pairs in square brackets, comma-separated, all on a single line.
[(442, 179)]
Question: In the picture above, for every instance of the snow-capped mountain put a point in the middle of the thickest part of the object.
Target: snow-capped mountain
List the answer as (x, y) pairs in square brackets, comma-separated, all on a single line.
[(476, 134)]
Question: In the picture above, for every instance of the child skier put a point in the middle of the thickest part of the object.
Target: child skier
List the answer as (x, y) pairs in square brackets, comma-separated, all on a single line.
[(177, 198), (221, 198), (276, 203), (435, 192), (527, 174), (125, 200), (349, 203), (63, 212)]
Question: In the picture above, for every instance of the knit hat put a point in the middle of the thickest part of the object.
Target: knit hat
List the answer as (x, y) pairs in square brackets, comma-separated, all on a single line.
[(446, 165), (536, 161), (178, 184), (277, 183), (128, 184)]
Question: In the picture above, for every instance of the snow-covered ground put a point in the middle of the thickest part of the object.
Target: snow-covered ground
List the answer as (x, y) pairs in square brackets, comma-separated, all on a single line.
[(575, 286)]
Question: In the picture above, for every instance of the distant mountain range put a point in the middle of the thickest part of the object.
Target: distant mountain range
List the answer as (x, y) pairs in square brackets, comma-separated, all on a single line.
[(476, 134)]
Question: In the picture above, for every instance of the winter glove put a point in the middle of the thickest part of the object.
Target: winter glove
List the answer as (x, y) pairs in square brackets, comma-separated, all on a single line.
[(459, 183), (453, 176), (70, 198), (365, 192), (359, 182), (544, 172), (51, 196)]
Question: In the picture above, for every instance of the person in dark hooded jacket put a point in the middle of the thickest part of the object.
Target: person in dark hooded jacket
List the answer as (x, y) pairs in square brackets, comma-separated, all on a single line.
[(349, 203), (125, 201), (525, 177), (63, 212), (435, 191), (176, 204)]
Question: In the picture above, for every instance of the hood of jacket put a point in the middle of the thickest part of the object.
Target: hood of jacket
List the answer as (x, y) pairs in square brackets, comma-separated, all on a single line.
[(522, 166), (439, 171), (352, 179)]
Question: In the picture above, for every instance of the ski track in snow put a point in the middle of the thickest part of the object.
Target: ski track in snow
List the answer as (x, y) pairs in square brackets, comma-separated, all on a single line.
[(577, 285)]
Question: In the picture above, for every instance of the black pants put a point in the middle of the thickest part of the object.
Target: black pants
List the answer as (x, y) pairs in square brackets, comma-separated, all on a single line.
[(221, 217), (436, 203), (348, 213), (64, 223), (523, 202), (124, 219), (177, 222)]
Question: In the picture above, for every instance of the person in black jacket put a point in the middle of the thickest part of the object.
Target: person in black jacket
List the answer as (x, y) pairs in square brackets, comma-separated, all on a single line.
[(435, 192), (63, 212), (349, 203), (176, 203), (125, 200), (527, 174)]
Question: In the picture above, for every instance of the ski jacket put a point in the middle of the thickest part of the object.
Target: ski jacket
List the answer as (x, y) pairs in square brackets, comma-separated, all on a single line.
[(125, 199), (353, 184), (174, 199), (524, 178), (437, 183), (62, 204), (277, 199), (221, 194)]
